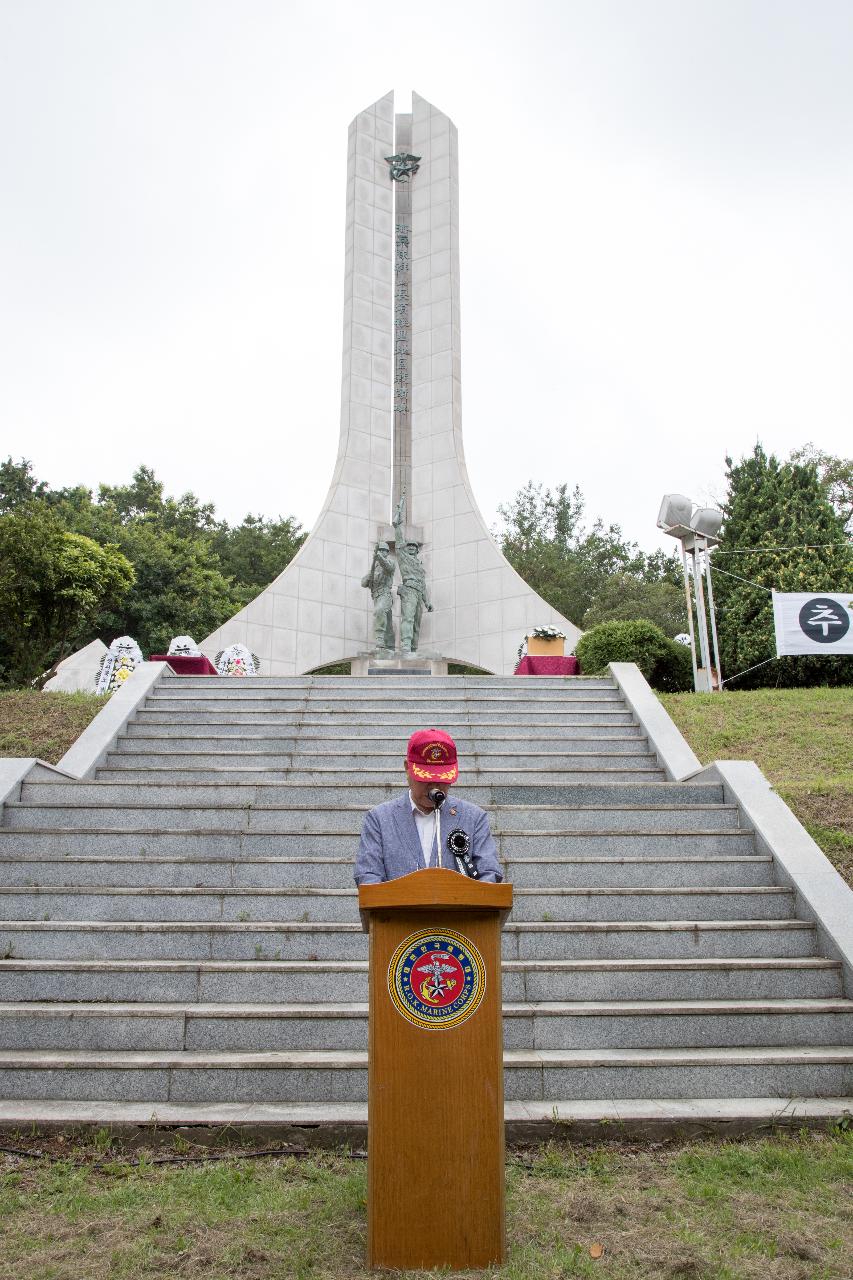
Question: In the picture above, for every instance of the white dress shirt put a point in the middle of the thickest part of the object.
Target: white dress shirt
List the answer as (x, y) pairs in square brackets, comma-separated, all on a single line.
[(428, 832)]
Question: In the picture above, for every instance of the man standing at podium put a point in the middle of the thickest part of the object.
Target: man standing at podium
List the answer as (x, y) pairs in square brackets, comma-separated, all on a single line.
[(424, 827)]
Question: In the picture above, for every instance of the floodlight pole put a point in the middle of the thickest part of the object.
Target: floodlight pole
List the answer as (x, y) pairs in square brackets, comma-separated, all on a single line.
[(702, 620), (707, 553), (689, 601), (689, 525)]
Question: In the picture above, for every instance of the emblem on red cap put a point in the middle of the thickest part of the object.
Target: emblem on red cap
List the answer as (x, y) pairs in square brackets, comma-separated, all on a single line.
[(431, 756)]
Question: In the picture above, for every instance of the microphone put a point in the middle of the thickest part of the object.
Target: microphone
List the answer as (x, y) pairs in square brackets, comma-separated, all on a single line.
[(437, 796)]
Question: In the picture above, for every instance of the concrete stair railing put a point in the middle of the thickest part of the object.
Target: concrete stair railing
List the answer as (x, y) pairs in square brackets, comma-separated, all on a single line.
[(180, 933)]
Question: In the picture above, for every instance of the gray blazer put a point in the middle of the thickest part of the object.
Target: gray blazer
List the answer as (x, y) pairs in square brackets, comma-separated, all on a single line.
[(390, 846)]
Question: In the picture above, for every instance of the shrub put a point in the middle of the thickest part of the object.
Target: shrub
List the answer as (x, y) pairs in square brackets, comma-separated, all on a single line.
[(665, 664)]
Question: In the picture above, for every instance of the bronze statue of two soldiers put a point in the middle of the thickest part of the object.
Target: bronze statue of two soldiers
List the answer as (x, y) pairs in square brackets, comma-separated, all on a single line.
[(412, 591)]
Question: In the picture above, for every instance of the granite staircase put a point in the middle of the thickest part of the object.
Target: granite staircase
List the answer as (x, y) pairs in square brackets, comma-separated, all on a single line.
[(180, 936)]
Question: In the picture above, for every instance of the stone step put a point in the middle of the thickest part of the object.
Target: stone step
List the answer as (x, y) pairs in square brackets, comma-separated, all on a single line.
[(399, 729), (151, 871), (135, 838), (400, 723), (630, 794), (566, 1025), (402, 682), (111, 903), (245, 982), (570, 726), (336, 1075), (644, 870), (145, 813), (263, 940), (385, 752), (525, 1122), (348, 817), (629, 768), (379, 700), (452, 685), (97, 831), (461, 714), (338, 754), (402, 703)]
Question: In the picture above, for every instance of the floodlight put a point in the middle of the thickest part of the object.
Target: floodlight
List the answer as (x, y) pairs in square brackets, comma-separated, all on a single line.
[(696, 529), (707, 521), (675, 510)]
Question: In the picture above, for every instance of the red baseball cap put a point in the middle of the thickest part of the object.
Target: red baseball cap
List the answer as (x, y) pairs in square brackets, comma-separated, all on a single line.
[(431, 754)]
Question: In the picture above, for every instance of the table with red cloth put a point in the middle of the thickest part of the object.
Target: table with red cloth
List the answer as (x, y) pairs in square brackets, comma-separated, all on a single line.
[(185, 664), (551, 666)]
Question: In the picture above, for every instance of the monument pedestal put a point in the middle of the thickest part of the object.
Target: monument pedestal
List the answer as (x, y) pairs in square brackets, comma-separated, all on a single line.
[(399, 664)]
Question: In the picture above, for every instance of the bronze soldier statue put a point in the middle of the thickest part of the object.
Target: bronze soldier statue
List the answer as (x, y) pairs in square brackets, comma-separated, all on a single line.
[(378, 579), (413, 589)]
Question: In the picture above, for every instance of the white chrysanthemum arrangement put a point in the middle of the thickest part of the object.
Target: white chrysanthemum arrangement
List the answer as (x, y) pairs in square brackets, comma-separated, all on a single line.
[(540, 633)]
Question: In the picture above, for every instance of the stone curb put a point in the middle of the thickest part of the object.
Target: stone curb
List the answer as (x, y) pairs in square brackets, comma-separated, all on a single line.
[(672, 751), (821, 892), (13, 772), (338, 1124), (83, 757)]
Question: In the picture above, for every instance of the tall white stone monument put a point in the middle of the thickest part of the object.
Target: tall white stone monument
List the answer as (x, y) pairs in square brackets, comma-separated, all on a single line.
[(401, 429)]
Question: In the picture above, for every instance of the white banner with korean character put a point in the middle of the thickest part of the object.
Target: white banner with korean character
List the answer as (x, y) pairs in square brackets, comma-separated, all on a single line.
[(813, 622)]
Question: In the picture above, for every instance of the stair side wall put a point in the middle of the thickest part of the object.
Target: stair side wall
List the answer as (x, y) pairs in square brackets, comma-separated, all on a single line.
[(822, 894)]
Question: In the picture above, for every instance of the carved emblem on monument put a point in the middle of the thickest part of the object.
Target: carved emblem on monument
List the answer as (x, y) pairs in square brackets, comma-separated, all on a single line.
[(403, 166)]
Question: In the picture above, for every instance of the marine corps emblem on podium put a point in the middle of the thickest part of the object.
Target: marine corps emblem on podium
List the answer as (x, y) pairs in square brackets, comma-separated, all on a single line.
[(436, 979)]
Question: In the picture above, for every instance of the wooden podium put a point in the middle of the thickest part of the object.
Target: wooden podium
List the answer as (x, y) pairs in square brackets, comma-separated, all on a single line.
[(435, 1089)]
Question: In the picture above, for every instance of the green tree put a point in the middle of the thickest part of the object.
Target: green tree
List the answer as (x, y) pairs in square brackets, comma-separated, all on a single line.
[(53, 586), (773, 512), (179, 590), (255, 552), (836, 477), (192, 572), (544, 537), (665, 664), (624, 597), (18, 484), (141, 499)]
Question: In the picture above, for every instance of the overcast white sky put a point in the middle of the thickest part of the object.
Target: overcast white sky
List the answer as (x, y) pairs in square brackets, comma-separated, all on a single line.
[(657, 261)]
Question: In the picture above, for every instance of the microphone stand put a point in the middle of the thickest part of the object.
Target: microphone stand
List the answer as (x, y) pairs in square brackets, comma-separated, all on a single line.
[(438, 797)]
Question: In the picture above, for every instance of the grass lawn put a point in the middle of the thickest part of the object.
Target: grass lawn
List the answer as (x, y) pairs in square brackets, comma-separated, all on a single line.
[(801, 738), (773, 1208), (44, 724)]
